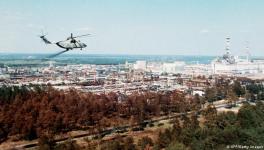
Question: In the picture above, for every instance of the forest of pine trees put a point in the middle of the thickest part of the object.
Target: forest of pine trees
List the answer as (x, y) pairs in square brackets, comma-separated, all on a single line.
[(219, 130), (28, 112)]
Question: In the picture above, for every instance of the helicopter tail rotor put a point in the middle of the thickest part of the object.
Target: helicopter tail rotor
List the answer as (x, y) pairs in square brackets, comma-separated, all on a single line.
[(43, 34)]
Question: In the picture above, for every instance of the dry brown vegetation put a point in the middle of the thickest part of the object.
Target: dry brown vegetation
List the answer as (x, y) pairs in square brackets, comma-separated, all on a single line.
[(29, 112)]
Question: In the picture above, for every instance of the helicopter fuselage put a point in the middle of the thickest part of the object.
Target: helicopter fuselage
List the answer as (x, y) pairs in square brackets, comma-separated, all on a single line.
[(69, 44)]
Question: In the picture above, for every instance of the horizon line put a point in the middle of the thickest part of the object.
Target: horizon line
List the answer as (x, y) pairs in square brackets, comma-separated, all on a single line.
[(126, 54)]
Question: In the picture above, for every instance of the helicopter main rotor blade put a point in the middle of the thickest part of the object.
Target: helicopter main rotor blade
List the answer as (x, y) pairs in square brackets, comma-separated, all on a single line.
[(54, 55), (81, 36)]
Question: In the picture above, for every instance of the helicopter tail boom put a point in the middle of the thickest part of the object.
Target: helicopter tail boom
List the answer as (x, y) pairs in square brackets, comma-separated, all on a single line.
[(45, 40)]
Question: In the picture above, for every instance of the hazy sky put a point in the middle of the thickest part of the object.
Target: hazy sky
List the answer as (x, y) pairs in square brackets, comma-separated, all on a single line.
[(174, 27)]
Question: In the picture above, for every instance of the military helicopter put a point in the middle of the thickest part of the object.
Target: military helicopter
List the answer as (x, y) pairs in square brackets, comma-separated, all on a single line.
[(69, 44)]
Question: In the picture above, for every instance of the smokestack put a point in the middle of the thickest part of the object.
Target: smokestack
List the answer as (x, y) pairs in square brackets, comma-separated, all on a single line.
[(227, 48)]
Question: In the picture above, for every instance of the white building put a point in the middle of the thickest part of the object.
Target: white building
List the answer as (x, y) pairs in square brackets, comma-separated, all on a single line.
[(238, 67), (175, 67), (140, 65)]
